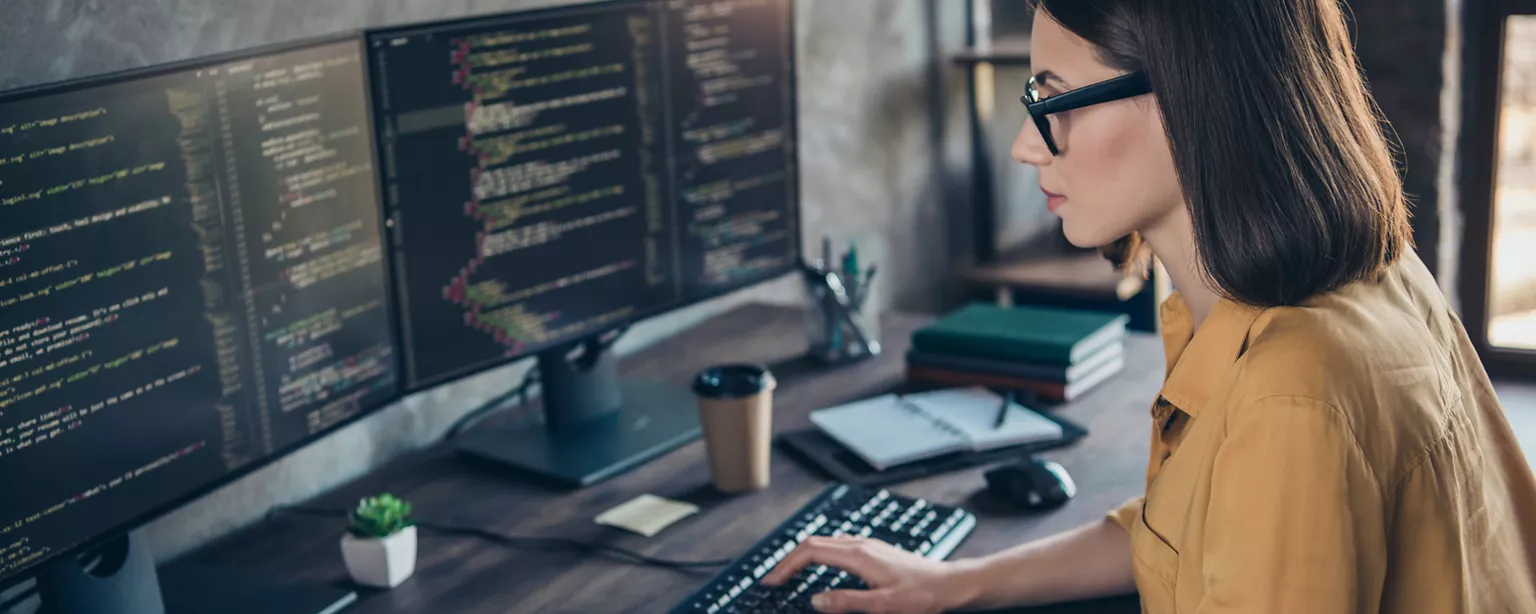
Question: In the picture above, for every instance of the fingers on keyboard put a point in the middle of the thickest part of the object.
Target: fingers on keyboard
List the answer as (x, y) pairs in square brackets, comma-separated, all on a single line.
[(848, 601), (816, 551)]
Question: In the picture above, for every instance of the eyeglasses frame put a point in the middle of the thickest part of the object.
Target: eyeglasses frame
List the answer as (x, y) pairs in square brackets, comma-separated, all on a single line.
[(1119, 88)]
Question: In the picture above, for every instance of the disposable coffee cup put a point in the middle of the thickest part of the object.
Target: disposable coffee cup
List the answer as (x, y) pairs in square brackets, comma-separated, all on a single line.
[(736, 411)]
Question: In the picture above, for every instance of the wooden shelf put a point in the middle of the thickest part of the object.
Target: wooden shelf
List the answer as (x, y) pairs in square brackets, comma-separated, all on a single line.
[(1081, 274)]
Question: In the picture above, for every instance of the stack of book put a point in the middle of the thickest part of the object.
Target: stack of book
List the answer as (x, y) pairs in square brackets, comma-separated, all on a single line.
[(1057, 354)]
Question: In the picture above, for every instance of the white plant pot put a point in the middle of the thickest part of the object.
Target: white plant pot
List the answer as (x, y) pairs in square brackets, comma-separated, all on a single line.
[(380, 563)]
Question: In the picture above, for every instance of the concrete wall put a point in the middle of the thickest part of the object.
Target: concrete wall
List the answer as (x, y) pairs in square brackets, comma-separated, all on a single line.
[(870, 121), (1409, 50)]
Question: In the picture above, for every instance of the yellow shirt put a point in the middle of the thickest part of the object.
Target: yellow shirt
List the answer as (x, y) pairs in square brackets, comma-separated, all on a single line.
[(1348, 455)]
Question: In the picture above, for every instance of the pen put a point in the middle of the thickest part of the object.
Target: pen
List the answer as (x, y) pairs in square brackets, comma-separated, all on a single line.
[(851, 262), (1002, 412), (851, 273), (864, 286)]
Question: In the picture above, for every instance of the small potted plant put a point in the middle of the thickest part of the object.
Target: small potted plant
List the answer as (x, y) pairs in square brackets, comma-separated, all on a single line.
[(380, 545)]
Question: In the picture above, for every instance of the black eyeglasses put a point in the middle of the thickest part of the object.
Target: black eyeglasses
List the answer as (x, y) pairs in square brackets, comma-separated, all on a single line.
[(1118, 88)]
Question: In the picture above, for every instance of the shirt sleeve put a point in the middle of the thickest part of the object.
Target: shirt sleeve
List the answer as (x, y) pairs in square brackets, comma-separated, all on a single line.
[(1295, 521), (1127, 513)]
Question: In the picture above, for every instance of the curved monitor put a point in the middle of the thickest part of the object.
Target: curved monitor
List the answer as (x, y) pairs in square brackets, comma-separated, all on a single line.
[(556, 174), (191, 284)]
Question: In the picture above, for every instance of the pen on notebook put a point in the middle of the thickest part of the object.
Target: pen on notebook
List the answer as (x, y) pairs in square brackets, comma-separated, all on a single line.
[(1002, 412)]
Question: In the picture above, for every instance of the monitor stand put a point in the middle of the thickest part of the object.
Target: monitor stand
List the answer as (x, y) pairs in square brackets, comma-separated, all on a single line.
[(595, 425), (120, 578)]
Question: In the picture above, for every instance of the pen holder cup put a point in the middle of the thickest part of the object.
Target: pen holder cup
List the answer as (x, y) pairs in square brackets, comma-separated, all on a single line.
[(833, 339)]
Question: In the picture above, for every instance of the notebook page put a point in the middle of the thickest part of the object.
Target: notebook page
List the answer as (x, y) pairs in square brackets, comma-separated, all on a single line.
[(887, 431), (973, 412)]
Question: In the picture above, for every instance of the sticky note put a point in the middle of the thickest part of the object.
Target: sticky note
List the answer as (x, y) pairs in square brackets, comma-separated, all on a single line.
[(647, 514)]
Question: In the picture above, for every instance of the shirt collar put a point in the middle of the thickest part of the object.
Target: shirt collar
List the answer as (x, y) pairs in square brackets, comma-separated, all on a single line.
[(1196, 360)]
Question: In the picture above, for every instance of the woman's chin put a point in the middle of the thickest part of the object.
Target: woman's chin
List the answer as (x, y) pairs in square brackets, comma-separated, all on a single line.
[(1086, 240)]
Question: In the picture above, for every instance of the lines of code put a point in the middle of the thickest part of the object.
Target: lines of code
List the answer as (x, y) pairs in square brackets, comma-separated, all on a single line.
[(734, 127), (50, 425), (58, 150), (317, 242), (40, 339), (192, 268), (509, 180), (498, 150), (309, 223), (620, 160), (332, 265), (565, 228), (74, 185), (503, 213), (335, 377), (524, 237), (51, 122), (73, 282), (484, 118), (21, 553)]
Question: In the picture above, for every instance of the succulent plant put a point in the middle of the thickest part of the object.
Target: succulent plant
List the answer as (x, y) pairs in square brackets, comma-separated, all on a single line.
[(379, 517)]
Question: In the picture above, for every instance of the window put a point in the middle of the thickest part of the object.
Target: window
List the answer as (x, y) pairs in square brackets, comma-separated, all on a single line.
[(1512, 291), (1497, 175)]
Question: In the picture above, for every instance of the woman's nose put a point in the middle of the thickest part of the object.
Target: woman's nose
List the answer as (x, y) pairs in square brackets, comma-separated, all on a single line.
[(1030, 148)]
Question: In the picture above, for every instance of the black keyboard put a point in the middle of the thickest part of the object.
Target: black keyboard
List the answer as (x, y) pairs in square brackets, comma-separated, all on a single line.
[(914, 525)]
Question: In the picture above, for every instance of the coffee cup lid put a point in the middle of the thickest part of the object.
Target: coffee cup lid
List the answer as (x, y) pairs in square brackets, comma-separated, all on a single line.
[(733, 381)]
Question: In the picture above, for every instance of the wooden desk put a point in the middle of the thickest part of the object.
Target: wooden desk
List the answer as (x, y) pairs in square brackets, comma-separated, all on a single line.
[(467, 576)]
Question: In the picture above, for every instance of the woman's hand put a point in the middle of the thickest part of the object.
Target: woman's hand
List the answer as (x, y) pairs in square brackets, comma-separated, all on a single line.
[(900, 582)]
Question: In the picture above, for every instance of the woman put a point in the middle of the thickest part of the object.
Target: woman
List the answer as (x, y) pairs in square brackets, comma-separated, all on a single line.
[(1326, 439)]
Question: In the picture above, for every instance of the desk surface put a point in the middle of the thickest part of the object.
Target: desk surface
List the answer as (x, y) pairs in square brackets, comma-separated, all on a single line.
[(467, 576)]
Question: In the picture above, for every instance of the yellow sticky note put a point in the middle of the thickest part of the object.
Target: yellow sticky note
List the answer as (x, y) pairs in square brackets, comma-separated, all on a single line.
[(647, 514)]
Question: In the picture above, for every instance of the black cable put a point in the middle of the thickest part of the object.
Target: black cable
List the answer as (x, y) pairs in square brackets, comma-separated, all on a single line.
[(498, 404), (531, 543), (552, 543), (592, 349)]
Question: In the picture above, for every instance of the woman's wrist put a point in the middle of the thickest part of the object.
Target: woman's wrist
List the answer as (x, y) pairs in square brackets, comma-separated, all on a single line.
[(965, 583)]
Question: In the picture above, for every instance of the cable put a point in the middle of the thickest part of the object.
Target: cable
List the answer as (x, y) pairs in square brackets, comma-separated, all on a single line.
[(531, 543), (536, 543), (591, 349), (498, 404)]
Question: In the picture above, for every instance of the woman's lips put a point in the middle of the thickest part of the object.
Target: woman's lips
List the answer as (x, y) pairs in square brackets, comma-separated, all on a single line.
[(1053, 201)]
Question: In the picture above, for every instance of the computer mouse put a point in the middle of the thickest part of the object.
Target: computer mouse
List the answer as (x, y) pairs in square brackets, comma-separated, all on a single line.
[(1031, 484)]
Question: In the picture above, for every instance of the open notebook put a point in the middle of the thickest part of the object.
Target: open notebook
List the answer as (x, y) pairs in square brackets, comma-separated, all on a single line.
[(892, 429)]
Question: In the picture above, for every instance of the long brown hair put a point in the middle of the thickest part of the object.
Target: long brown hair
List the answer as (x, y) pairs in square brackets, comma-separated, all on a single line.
[(1280, 150)]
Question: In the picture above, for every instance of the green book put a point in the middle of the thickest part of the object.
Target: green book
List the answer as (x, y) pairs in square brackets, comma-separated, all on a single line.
[(1037, 335)]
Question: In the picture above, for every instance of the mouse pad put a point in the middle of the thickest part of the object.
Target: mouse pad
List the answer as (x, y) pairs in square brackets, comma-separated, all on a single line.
[(824, 454)]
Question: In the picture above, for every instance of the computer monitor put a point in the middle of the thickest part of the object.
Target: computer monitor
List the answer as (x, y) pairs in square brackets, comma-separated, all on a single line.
[(192, 283), (554, 175)]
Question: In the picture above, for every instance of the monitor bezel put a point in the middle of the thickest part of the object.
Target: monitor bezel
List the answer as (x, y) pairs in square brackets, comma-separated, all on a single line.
[(358, 38), (797, 243)]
